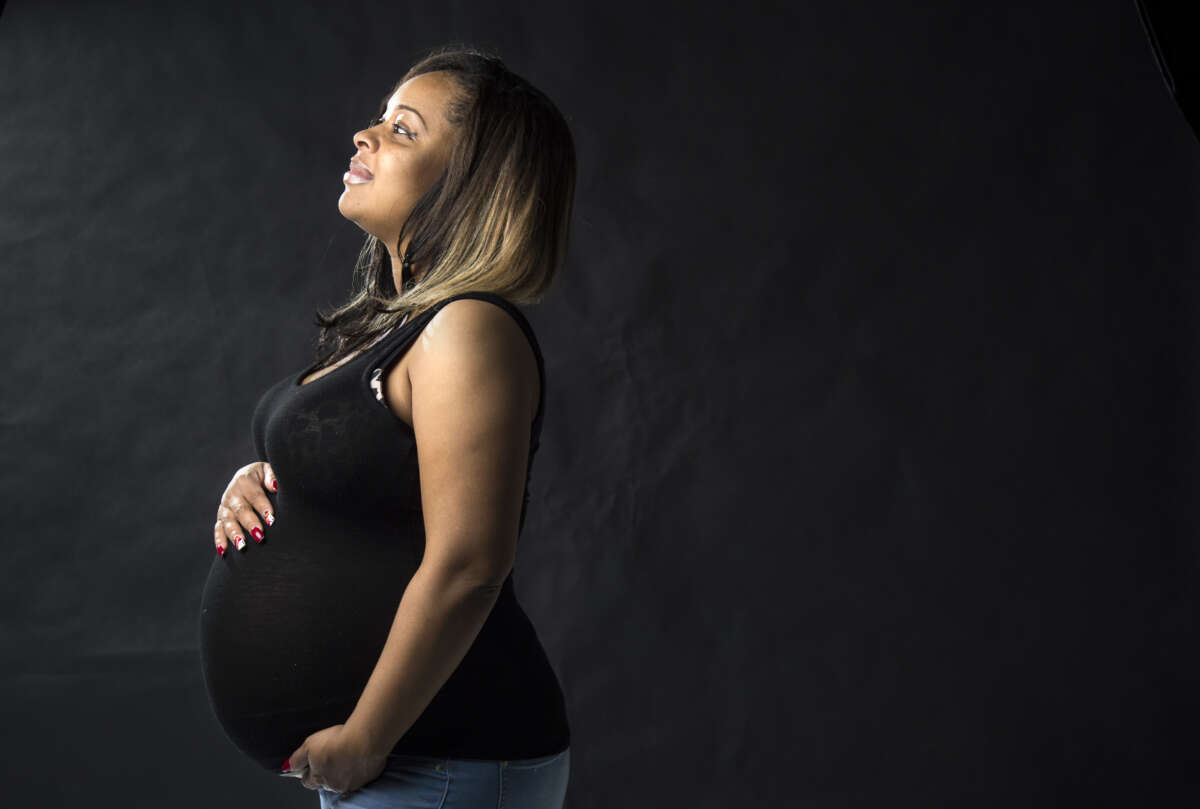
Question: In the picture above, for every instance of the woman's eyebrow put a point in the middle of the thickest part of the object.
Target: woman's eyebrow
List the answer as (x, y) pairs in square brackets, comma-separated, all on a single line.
[(414, 109)]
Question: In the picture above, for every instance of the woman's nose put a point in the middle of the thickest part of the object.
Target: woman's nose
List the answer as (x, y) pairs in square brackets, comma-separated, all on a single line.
[(364, 140)]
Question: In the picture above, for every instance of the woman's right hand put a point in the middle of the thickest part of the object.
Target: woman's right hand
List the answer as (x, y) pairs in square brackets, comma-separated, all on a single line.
[(244, 506)]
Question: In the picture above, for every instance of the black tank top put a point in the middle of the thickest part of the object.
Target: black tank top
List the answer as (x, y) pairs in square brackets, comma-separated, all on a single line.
[(291, 629)]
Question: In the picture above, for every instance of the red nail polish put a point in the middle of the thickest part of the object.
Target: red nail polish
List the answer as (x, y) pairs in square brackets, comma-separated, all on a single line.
[(257, 533), (221, 551), (275, 485), (287, 765)]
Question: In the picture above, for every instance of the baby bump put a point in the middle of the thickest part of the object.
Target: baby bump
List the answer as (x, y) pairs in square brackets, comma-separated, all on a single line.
[(299, 621)]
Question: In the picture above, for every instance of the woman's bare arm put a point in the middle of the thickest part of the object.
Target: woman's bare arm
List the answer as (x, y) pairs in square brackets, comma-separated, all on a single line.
[(474, 390)]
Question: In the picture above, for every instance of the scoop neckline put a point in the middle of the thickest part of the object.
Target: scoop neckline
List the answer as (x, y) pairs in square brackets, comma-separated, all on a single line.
[(408, 321), (534, 425), (298, 381)]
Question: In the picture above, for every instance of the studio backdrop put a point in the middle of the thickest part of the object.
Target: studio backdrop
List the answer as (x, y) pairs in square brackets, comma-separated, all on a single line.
[(868, 473)]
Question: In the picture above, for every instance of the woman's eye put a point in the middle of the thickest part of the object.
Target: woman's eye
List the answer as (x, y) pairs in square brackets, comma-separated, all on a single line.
[(396, 127)]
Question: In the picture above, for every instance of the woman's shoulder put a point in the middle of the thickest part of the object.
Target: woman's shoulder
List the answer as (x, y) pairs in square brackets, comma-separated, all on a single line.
[(480, 301), (481, 324), (476, 335)]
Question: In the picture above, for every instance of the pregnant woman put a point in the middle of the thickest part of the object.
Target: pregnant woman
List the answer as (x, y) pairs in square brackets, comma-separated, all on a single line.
[(370, 642)]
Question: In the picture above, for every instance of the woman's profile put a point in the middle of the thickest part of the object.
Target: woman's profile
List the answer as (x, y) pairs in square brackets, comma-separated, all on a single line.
[(370, 642)]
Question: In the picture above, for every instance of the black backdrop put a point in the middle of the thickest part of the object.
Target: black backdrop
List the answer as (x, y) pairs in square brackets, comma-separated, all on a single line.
[(870, 465)]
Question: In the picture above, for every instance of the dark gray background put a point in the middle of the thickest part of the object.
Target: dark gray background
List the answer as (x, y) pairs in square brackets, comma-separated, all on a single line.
[(869, 468)]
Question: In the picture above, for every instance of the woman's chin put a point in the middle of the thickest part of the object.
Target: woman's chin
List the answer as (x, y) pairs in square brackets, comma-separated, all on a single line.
[(344, 208), (352, 217)]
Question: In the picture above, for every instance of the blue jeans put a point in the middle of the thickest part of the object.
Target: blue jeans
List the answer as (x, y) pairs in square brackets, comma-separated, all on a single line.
[(421, 782)]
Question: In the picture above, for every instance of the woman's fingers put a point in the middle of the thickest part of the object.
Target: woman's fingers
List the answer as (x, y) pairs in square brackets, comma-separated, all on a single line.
[(252, 508), (219, 538), (234, 531), (245, 507), (269, 480)]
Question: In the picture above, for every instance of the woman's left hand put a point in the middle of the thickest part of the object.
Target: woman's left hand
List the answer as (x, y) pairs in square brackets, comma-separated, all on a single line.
[(337, 759)]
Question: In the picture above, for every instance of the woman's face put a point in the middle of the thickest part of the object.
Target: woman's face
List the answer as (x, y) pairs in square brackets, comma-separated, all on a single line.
[(399, 157)]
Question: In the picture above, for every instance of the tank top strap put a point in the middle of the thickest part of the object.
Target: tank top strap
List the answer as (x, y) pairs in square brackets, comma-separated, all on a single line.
[(519, 316), (385, 351)]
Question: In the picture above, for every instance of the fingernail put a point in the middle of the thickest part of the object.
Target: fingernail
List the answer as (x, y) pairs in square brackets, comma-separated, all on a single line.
[(221, 551), (287, 764), (275, 485), (241, 543), (257, 533), (270, 517)]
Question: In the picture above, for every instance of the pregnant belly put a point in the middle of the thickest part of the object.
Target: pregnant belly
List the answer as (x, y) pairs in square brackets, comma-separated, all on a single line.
[(291, 629)]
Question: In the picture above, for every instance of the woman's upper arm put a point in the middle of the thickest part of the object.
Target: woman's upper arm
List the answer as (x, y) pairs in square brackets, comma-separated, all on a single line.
[(474, 390)]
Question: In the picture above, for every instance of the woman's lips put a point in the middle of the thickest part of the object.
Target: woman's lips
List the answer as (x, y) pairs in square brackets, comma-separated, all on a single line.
[(355, 176)]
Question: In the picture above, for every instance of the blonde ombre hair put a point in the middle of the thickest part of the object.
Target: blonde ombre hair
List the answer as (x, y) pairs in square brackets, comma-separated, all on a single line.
[(496, 220)]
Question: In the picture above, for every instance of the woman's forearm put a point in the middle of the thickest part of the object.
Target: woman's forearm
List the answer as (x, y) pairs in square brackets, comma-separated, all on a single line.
[(439, 617)]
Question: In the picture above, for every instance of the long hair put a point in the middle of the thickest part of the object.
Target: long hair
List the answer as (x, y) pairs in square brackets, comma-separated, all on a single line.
[(496, 220)]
